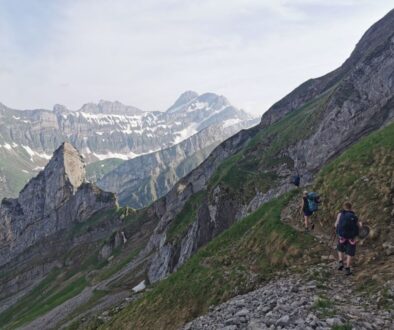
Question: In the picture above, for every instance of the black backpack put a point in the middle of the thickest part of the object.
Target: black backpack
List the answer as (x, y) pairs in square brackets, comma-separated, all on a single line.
[(347, 225), (295, 180)]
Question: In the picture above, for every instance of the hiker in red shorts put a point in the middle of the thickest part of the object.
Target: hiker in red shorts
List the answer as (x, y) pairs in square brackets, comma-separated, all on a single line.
[(347, 228)]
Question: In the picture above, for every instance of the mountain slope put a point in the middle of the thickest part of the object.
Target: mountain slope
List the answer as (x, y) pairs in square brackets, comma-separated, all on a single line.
[(142, 180), (101, 131), (56, 240), (302, 141), (252, 250)]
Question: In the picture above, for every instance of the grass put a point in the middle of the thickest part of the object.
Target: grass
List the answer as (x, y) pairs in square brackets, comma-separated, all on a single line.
[(295, 126), (324, 307), (322, 303), (255, 167), (320, 276), (183, 220), (233, 263), (40, 300), (116, 265), (346, 326), (94, 220), (95, 298), (362, 175)]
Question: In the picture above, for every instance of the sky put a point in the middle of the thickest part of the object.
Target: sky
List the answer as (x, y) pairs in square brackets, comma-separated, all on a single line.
[(145, 53)]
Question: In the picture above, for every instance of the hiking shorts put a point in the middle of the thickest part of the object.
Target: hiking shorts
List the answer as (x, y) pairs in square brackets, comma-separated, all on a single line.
[(347, 246), (308, 213)]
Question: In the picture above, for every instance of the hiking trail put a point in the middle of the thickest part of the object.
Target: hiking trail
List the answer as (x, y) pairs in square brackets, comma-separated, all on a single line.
[(319, 298)]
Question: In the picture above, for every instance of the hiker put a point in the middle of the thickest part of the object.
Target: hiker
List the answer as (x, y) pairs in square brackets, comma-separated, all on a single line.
[(307, 211), (295, 180), (347, 228)]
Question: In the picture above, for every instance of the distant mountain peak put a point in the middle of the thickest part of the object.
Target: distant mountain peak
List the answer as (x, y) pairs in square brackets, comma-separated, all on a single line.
[(191, 100), (183, 99)]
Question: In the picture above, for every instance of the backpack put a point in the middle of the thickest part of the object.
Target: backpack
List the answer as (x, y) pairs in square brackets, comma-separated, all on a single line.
[(313, 201), (295, 180), (347, 226)]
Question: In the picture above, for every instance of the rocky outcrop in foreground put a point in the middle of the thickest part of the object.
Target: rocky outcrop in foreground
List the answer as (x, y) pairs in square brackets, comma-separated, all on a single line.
[(302, 303)]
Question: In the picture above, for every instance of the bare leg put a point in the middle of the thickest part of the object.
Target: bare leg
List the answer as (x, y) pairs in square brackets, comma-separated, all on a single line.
[(306, 221), (340, 256), (348, 261), (348, 264), (340, 260)]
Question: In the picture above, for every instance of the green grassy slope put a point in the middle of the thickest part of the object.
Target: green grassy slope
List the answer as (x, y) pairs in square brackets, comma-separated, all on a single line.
[(51, 292), (16, 169), (254, 249), (83, 266), (233, 263), (254, 168), (363, 175)]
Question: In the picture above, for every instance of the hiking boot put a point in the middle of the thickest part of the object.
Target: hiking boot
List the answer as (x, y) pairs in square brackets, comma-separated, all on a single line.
[(348, 271), (340, 265), (306, 229)]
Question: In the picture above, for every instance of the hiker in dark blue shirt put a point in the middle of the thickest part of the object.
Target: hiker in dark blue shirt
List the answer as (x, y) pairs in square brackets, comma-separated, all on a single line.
[(347, 228)]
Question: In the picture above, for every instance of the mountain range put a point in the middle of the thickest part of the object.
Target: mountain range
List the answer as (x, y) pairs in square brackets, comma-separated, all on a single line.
[(225, 246), (108, 132)]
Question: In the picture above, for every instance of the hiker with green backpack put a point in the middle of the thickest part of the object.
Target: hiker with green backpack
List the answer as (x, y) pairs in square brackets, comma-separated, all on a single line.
[(310, 202), (347, 227)]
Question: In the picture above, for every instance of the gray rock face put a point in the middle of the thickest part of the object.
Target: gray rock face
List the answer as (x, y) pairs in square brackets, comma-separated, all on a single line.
[(50, 202), (142, 180), (167, 256)]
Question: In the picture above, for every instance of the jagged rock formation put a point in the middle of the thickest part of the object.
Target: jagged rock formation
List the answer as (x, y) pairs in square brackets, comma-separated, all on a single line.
[(54, 200), (106, 131), (141, 180)]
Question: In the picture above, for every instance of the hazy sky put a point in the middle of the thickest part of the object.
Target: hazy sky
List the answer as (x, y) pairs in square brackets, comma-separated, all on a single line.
[(145, 52)]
